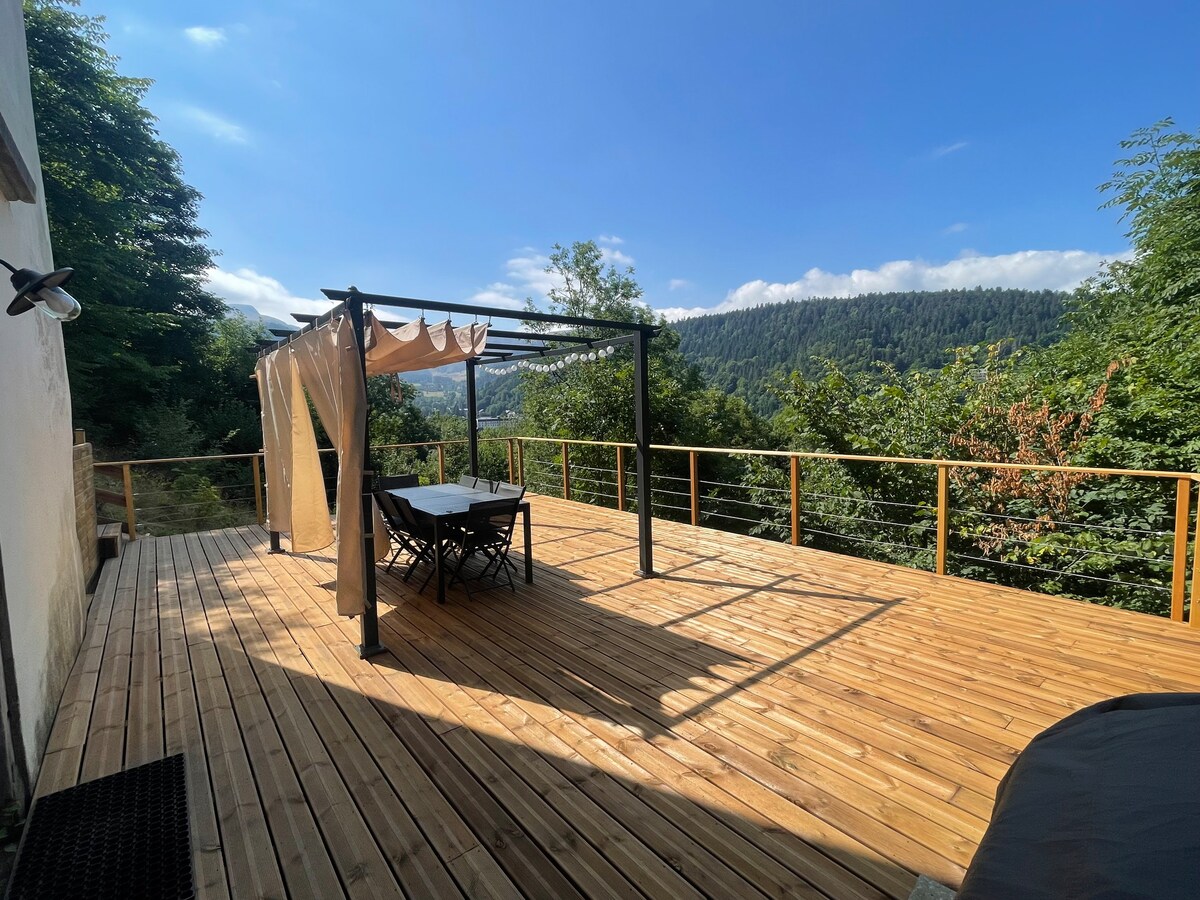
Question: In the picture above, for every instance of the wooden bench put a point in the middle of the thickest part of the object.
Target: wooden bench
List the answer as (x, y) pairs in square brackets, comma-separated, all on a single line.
[(108, 539)]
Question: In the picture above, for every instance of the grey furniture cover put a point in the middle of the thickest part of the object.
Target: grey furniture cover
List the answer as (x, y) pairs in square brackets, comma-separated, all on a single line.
[(1104, 804)]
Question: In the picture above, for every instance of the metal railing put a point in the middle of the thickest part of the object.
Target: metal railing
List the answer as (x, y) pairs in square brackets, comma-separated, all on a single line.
[(800, 497)]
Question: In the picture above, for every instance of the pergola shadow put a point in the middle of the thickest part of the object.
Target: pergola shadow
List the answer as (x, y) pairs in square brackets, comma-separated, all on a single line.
[(626, 670)]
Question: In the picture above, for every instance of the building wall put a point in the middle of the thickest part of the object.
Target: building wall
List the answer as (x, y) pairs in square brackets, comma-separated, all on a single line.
[(43, 576)]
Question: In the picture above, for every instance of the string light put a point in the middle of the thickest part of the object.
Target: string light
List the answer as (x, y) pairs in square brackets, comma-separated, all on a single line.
[(557, 365)]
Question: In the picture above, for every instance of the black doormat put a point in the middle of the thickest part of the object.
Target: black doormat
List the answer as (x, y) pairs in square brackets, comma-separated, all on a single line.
[(120, 837)]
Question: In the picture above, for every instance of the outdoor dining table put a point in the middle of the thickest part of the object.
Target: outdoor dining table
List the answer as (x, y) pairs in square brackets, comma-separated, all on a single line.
[(443, 505)]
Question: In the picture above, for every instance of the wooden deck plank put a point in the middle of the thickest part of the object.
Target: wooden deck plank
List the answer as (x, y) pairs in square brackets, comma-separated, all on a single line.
[(105, 747), (609, 756), (278, 663), (761, 719), (145, 729), (65, 745), (182, 732), (250, 861), (304, 860), (365, 750)]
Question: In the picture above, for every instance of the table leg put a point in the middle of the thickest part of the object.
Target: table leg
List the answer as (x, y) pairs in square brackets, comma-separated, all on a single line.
[(528, 529), (438, 562)]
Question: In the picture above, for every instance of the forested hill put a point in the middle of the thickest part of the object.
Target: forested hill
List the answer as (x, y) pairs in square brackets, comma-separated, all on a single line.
[(741, 351)]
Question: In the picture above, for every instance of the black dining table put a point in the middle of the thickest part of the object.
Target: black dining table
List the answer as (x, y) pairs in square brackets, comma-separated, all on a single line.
[(443, 505)]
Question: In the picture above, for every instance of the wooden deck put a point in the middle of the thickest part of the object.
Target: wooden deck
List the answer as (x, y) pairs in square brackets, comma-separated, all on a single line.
[(758, 720)]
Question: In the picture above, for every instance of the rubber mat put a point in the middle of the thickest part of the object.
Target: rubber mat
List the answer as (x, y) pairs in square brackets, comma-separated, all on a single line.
[(120, 837)]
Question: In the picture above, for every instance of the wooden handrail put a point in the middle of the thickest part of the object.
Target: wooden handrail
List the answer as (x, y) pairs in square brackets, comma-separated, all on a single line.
[(736, 451), (1180, 593)]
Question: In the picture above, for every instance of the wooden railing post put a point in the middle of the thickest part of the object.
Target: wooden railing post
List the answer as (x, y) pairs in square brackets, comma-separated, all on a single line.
[(1194, 613), (943, 517), (441, 463), (511, 472), (521, 461), (255, 462), (566, 463), (1183, 515), (130, 514), (620, 478), (795, 467), (694, 469)]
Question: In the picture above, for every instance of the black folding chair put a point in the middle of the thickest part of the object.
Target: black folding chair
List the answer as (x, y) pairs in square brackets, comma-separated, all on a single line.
[(406, 530), (488, 533), (505, 489), (396, 482)]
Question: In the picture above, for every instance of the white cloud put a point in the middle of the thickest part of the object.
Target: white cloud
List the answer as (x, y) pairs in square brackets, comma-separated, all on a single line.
[(262, 292), (676, 284), (214, 125), (526, 276), (615, 257), (956, 228), (947, 149), (1031, 269), (207, 38), (609, 239)]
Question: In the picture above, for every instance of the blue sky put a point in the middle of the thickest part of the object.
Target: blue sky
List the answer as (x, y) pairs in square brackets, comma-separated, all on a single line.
[(735, 153)]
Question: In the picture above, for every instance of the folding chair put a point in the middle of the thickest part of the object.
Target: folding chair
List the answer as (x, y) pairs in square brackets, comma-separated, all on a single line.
[(406, 530), (505, 489), (395, 482), (488, 533), (467, 481)]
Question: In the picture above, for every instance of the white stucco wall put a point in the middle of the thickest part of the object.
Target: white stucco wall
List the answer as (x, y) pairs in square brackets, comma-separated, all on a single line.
[(43, 577)]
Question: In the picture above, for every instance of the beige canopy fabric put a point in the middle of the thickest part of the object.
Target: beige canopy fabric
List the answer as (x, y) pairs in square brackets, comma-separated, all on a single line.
[(329, 367), (418, 345), (293, 468), (325, 361)]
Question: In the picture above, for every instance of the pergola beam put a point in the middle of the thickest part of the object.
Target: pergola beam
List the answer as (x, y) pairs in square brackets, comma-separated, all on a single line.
[(490, 312)]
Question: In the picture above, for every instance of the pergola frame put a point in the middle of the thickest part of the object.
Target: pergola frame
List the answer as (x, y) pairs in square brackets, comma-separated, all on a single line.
[(353, 302)]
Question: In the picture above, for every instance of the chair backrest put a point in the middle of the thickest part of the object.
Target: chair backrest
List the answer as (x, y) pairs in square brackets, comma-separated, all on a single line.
[(395, 482), (467, 480), (404, 510), (387, 507), (505, 489), (493, 515)]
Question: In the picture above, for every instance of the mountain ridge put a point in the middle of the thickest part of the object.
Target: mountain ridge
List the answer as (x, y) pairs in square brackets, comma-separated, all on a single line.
[(742, 351)]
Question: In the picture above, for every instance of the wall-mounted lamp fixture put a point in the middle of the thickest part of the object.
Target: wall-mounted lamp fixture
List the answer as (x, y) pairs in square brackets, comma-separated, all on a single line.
[(43, 292)]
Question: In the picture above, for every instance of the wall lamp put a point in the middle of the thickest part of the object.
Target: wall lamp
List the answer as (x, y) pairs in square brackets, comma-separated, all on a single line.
[(43, 292)]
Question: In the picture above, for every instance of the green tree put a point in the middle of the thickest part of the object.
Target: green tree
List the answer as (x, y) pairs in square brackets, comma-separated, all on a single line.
[(1142, 312), (122, 215), (595, 401)]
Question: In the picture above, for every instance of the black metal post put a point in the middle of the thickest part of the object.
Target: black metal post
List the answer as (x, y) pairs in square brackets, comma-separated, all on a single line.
[(369, 620), (472, 420), (275, 548), (641, 426)]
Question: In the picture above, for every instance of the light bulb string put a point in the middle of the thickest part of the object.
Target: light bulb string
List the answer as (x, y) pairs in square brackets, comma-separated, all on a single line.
[(592, 355)]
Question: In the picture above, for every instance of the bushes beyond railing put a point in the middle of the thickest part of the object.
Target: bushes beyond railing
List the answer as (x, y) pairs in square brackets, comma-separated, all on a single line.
[(1114, 536)]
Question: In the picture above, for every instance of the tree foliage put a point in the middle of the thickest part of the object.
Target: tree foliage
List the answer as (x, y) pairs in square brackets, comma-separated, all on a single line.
[(745, 351), (122, 216)]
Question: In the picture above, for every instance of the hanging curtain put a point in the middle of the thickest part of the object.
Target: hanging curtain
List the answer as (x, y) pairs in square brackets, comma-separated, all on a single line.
[(328, 365), (420, 346), (325, 362), (296, 501)]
